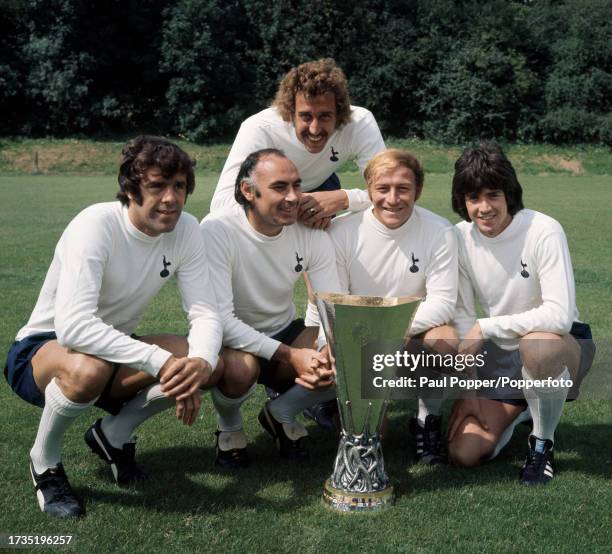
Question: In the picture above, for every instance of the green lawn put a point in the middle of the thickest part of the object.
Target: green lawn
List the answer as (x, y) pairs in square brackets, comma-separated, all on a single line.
[(275, 506)]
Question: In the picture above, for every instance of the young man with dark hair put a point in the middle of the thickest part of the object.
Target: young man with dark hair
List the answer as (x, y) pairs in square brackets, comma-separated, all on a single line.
[(256, 255), (77, 348), (314, 124), (397, 248), (516, 263)]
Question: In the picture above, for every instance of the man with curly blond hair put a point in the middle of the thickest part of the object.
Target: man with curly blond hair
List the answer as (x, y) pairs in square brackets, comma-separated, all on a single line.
[(313, 123)]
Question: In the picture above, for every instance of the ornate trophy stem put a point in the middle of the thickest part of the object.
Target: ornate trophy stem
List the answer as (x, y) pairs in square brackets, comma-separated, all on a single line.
[(359, 464), (359, 481)]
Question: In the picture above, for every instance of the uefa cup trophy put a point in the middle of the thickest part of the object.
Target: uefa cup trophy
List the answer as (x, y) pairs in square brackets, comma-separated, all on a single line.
[(351, 323)]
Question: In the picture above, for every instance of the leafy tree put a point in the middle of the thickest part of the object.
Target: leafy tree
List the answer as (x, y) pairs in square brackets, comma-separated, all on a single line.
[(205, 58), (480, 83), (450, 70), (57, 80), (578, 83), (123, 38), (91, 66), (12, 36)]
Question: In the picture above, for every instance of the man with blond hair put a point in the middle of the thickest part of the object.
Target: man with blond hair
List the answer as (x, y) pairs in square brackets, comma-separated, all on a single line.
[(397, 248), (313, 123)]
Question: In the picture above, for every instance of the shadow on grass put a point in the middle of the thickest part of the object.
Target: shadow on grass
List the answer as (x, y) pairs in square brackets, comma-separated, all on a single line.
[(185, 480), (584, 448)]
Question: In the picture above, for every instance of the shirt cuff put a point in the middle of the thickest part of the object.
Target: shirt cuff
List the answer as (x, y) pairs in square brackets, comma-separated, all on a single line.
[(211, 357), (157, 360), (485, 325), (268, 348), (357, 199)]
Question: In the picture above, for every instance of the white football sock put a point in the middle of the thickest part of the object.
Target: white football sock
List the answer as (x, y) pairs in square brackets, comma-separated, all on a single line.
[(506, 435), (285, 407), (229, 440), (58, 414), (428, 406), (546, 404), (229, 417), (119, 428)]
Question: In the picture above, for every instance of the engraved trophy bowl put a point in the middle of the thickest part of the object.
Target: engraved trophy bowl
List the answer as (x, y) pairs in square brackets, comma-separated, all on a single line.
[(351, 323)]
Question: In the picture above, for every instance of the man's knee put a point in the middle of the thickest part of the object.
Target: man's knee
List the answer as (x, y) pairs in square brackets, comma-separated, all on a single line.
[(240, 372), (220, 368), (84, 377), (308, 338), (471, 444), (442, 339), (546, 354)]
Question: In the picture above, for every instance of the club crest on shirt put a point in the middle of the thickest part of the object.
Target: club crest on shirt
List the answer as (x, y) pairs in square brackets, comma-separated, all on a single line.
[(164, 272), (334, 155), (414, 267), (299, 267), (524, 272)]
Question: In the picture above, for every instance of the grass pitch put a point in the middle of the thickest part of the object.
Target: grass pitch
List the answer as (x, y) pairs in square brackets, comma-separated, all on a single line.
[(275, 506)]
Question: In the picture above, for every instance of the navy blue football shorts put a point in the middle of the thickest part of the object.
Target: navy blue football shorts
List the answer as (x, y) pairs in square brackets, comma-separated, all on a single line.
[(19, 373), (582, 333), (267, 368)]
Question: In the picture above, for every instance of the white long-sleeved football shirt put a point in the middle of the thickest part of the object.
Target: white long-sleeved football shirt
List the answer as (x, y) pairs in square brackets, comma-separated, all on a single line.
[(254, 276), (360, 138), (522, 278), (104, 274), (417, 259)]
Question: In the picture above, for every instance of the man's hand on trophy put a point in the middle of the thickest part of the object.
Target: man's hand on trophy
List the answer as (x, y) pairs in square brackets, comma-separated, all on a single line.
[(325, 371), (332, 361)]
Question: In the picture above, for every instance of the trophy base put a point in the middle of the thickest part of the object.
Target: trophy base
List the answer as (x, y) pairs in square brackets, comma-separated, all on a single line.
[(347, 501)]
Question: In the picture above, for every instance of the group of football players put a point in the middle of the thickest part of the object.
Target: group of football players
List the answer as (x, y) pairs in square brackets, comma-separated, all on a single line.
[(500, 282)]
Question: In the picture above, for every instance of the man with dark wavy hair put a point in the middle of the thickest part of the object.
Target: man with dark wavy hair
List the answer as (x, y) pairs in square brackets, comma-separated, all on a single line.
[(313, 123), (77, 349), (515, 263)]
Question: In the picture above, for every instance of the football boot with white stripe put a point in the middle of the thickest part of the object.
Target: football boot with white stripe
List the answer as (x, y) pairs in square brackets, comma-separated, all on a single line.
[(429, 440), (539, 466), (54, 493), (121, 460), (271, 393)]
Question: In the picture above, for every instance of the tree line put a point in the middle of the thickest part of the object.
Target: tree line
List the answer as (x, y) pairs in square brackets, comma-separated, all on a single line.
[(446, 70)]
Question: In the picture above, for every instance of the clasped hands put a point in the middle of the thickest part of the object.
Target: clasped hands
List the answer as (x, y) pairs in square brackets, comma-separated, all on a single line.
[(182, 379), (313, 369)]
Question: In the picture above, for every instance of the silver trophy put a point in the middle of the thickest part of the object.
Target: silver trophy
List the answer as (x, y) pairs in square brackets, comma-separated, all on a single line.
[(359, 481)]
